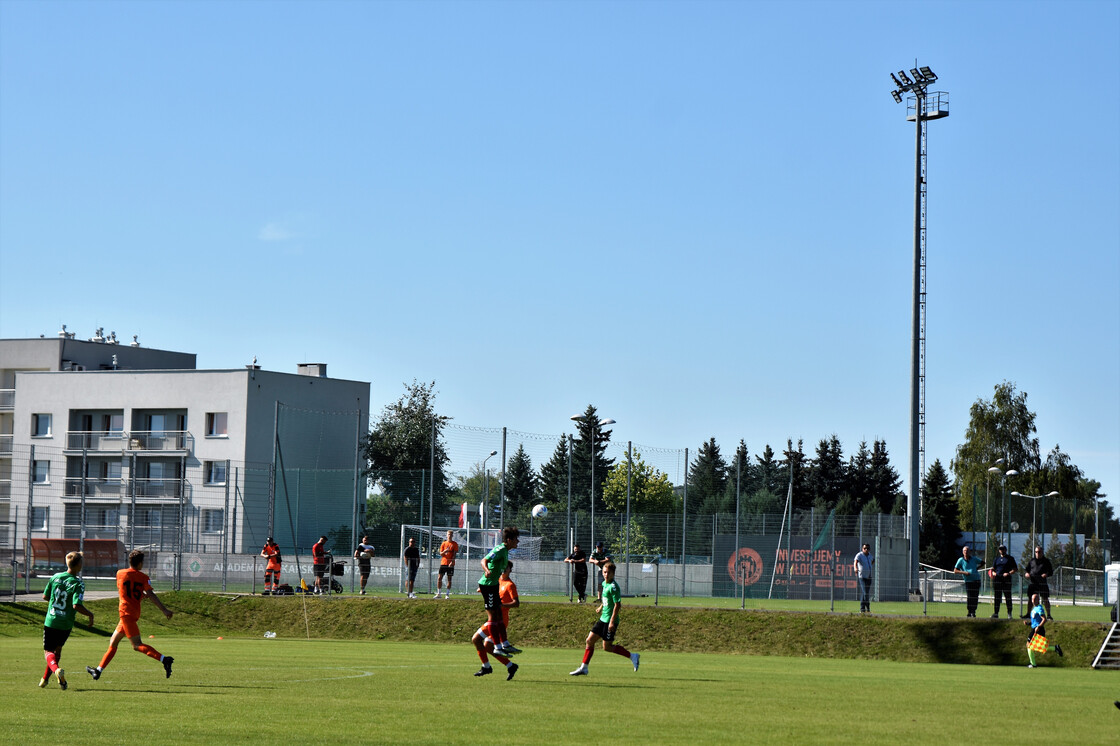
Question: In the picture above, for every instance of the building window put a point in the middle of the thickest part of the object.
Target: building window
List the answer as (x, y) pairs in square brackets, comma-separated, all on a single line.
[(215, 472), (113, 424), (216, 424), (41, 472), (39, 518), (150, 517), (213, 521), (111, 471), (40, 426)]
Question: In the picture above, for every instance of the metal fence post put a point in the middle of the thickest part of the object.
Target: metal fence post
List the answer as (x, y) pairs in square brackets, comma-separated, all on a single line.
[(225, 532), (27, 545), (82, 532)]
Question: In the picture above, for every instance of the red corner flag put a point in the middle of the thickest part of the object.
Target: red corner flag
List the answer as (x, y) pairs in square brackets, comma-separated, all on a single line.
[(463, 515)]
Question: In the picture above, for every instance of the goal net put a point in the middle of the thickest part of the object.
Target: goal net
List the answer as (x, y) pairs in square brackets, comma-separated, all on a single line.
[(474, 544)]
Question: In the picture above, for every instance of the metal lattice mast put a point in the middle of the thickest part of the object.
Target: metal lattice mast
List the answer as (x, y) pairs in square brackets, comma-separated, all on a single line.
[(922, 314), (926, 105)]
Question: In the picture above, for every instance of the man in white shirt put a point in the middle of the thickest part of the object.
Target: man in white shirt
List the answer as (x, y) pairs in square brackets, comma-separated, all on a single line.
[(864, 565)]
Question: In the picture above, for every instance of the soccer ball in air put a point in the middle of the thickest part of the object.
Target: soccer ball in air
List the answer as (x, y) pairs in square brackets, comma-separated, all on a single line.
[(539, 511)]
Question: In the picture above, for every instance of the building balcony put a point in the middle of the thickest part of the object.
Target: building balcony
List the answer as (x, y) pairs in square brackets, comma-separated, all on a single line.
[(98, 441), (160, 441), (95, 488), (7, 445), (163, 489), (7, 400)]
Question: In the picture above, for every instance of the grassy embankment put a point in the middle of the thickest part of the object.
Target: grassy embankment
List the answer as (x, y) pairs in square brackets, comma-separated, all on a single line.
[(558, 625)]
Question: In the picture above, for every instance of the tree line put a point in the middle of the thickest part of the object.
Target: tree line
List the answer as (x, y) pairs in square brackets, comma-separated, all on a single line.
[(399, 457)]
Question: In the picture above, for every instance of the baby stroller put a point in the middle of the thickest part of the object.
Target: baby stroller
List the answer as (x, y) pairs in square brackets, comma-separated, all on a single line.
[(337, 570)]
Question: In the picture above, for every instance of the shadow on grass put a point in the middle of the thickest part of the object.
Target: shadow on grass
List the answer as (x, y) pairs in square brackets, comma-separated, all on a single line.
[(976, 642)]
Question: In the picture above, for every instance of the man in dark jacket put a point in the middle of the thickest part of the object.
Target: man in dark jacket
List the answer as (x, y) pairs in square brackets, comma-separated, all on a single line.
[(1003, 570), (1037, 574)]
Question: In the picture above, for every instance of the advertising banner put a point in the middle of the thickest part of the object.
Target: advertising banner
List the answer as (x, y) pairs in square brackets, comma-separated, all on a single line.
[(799, 571)]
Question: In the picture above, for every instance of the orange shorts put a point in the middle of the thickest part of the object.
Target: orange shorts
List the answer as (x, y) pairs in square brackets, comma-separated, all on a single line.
[(129, 626)]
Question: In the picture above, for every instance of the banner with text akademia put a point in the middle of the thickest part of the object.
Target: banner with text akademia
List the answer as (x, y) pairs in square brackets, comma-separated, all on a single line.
[(801, 572)]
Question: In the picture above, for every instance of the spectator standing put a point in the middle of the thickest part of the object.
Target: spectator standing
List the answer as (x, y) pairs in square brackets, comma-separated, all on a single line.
[(1037, 574), (364, 553), (864, 565), (578, 560), (64, 594), (1002, 572), (598, 559), (969, 566), (412, 561), (271, 553), (319, 562), (447, 552)]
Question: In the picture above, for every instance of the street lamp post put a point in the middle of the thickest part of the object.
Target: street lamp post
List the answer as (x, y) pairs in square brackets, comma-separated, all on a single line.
[(1034, 507), (486, 501), (994, 469), (938, 108), (1003, 503), (594, 428)]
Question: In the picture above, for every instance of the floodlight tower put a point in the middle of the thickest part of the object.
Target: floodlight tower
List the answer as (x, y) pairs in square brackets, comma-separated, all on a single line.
[(924, 105)]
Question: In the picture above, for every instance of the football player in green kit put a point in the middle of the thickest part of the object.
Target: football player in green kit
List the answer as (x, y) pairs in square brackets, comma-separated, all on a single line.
[(607, 625), (64, 594)]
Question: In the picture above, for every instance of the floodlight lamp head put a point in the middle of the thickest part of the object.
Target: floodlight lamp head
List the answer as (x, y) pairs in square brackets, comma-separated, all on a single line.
[(1016, 494), (897, 82), (994, 469), (897, 97), (606, 421), (905, 78), (999, 461), (917, 75), (1054, 494), (928, 74), (1010, 473), (493, 453)]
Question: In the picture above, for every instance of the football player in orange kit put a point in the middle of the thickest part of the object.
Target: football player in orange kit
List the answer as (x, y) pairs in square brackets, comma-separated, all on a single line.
[(133, 586)]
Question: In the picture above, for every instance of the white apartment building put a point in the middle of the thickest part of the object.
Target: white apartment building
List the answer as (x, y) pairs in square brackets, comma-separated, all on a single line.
[(101, 440)]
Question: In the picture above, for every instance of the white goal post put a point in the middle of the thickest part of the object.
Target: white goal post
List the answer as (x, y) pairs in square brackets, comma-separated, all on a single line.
[(473, 543)]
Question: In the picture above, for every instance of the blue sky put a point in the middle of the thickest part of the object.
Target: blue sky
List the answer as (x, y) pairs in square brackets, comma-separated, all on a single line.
[(696, 216)]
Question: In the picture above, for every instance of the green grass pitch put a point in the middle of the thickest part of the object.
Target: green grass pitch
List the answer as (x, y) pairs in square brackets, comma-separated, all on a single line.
[(240, 690)]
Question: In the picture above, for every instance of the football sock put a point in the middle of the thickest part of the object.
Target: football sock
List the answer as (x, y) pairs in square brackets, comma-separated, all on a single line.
[(1030, 654), (106, 658), (47, 672), (149, 651), (587, 653), (482, 657), (619, 650), (502, 659), (52, 662)]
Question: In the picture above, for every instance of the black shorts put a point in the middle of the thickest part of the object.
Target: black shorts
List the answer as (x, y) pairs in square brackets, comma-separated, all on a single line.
[(448, 570), (1042, 589), (412, 570), (363, 569), (490, 598), (603, 629), (320, 570), (53, 639)]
